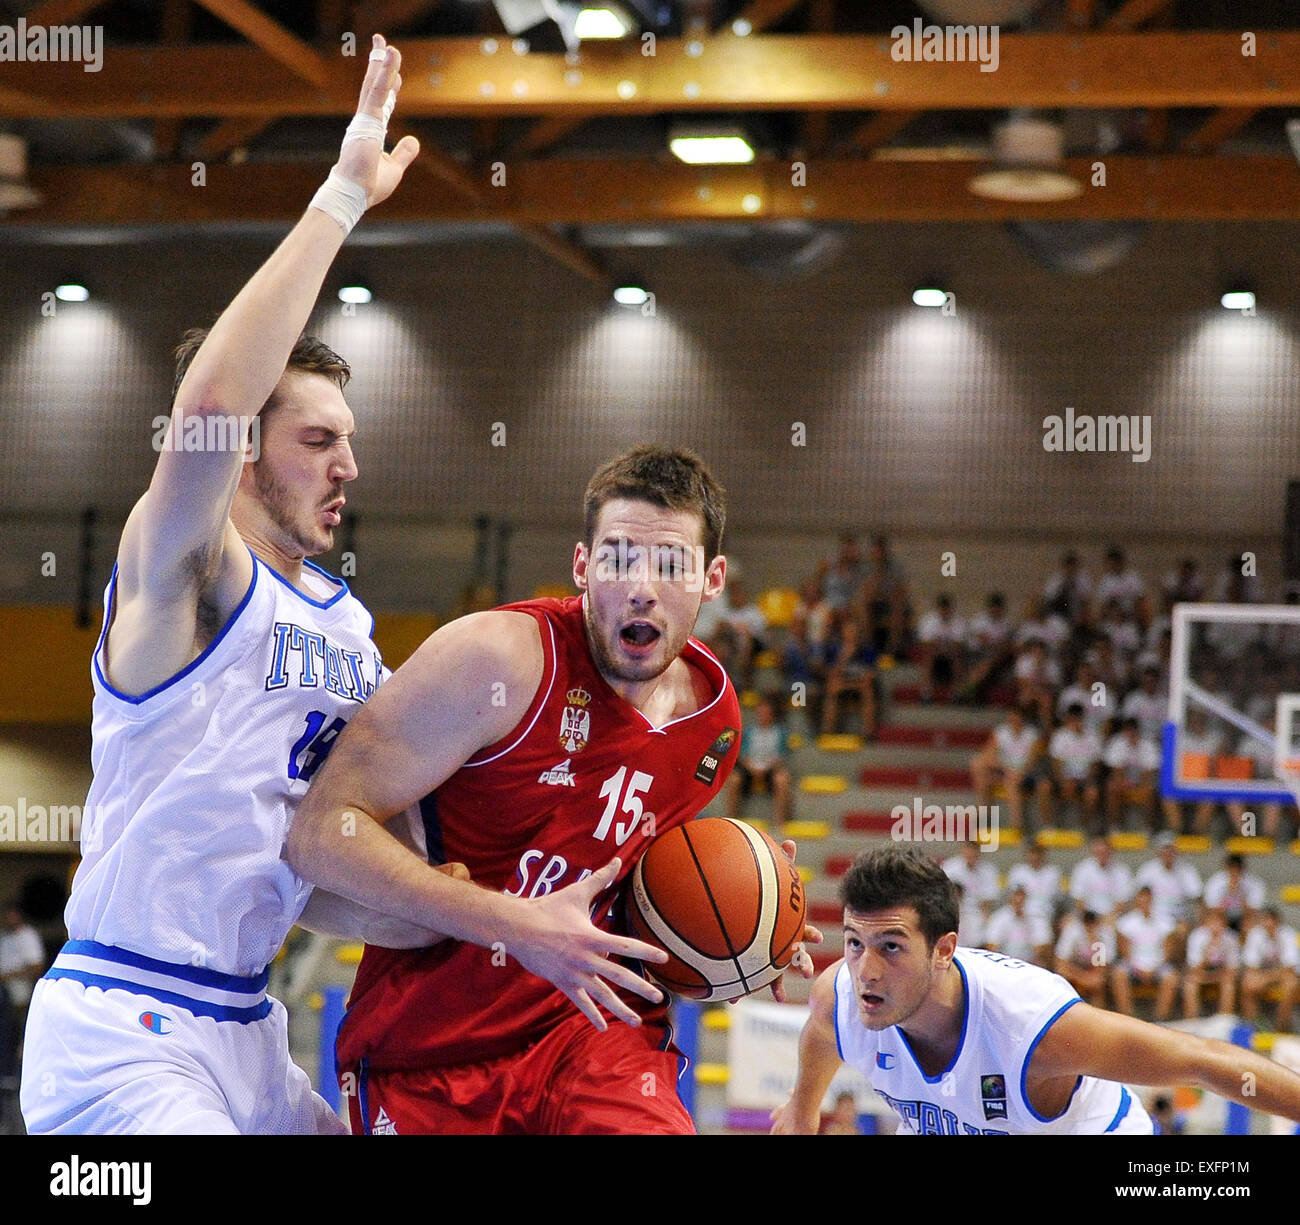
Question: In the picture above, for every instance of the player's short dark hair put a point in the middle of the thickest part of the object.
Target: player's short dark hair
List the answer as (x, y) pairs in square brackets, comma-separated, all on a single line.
[(892, 876), (673, 478), (309, 355)]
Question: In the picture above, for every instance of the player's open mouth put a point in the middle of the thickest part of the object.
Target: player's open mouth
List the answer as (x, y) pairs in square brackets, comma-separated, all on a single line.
[(333, 513), (639, 637), (871, 1002)]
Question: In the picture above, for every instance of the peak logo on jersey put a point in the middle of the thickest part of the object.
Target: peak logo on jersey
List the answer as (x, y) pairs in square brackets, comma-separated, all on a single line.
[(575, 723), (558, 776), (884, 1060), (993, 1092), (707, 770), (156, 1023), (383, 1125)]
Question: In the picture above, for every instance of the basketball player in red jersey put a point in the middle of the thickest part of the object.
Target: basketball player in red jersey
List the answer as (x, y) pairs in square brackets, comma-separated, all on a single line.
[(545, 736)]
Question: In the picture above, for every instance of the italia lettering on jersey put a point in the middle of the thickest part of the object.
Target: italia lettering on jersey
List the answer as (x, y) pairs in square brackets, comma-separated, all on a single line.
[(583, 777), (927, 1119), (310, 660)]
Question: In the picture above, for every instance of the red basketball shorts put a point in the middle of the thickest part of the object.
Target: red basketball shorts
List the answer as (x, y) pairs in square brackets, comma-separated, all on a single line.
[(574, 1081)]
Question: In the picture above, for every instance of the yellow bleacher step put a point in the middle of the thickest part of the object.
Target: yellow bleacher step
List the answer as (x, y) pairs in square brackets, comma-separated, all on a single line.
[(1123, 841), (806, 874), (795, 741), (839, 743), (1009, 837), (1289, 894), (1059, 839), (758, 823), (1193, 844), (349, 954), (1263, 1042), (1295, 847), (807, 830), (749, 697), (712, 1074), (767, 659), (823, 784), (718, 1018), (1249, 846)]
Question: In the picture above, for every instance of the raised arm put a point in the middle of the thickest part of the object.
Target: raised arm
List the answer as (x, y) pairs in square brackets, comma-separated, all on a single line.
[(819, 1060), (1089, 1041), (179, 550), (420, 726)]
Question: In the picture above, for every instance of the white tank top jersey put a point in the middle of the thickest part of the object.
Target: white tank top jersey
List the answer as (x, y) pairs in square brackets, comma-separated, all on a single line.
[(1010, 1005), (196, 781)]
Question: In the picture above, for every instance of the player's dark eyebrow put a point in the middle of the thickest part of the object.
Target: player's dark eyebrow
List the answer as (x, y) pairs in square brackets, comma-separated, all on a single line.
[(326, 432)]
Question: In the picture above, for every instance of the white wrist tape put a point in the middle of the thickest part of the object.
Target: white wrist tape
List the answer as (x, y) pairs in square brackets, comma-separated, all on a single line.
[(341, 199)]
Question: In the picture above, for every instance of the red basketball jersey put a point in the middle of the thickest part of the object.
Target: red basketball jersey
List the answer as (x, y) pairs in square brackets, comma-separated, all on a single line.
[(583, 777)]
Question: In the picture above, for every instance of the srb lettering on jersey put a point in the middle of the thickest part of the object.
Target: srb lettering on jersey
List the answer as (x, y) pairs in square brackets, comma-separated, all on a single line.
[(539, 874), (927, 1119), (310, 660)]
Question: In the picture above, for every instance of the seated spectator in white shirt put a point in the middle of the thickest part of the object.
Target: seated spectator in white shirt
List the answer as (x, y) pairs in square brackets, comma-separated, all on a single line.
[(850, 669), (1037, 678), (990, 639), (1133, 764), (763, 758), (1236, 892), (1007, 757), (1102, 882), (942, 639), (1100, 703), (748, 627), (1068, 591), (1084, 955), (841, 580), (1040, 880), (1074, 757), (1271, 959), (1111, 667), (1231, 586), (1146, 956), (1148, 705), (1049, 628), (1015, 932), (1175, 886), (979, 882), (1120, 582), (1213, 956), (1184, 585), (1122, 630)]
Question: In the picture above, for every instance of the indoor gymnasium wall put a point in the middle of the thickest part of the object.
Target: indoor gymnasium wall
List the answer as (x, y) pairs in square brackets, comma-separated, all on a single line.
[(926, 426)]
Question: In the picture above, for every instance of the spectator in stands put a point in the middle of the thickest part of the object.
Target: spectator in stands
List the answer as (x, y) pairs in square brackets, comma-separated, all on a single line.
[(1042, 625), (1175, 886), (1270, 814), (1146, 954), (990, 640), (1271, 959), (1015, 932), (1132, 764), (1122, 630), (1085, 953), (1008, 757), (1074, 759), (1233, 586), (1148, 705), (850, 669), (1098, 700), (841, 579), (1122, 583), (803, 663), (1101, 882), (979, 884), (884, 600), (1038, 878), (1202, 737), (1111, 667), (1235, 892), (1184, 585), (942, 639), (1213, 956), (763, 759), (1037, 679), (1069, 590), (22, 962), (815, 611), (744, 620)]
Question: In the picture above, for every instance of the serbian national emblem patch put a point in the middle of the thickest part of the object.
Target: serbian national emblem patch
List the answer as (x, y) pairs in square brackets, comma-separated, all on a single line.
[(575, 723)]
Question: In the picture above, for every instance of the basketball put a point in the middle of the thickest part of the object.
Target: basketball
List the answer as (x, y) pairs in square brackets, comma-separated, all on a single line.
[(724, 902)]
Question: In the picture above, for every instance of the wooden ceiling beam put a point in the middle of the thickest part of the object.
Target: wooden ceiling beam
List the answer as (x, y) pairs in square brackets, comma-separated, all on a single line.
[(555, 192), (1135, 13), (456, 77), (547, 131), (880, 129), (231, 134), (261, 30), (1218, 128), (389, 16)]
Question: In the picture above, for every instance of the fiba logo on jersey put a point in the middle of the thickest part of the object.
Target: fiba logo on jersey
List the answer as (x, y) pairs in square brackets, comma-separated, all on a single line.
[(575, 723)]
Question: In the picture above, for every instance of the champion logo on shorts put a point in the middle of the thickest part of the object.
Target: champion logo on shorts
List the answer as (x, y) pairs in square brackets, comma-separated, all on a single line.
[(156, 1023), (383, 1125)]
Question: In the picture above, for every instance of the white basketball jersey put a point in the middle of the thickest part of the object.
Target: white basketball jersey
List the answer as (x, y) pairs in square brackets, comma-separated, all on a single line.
[(196, 781), (1009, 1007)]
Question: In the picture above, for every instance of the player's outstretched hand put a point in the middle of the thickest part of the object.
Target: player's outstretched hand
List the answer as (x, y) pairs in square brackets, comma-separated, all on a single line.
[(362, 158), (563, 945), (786, 1121), (801, 962)]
